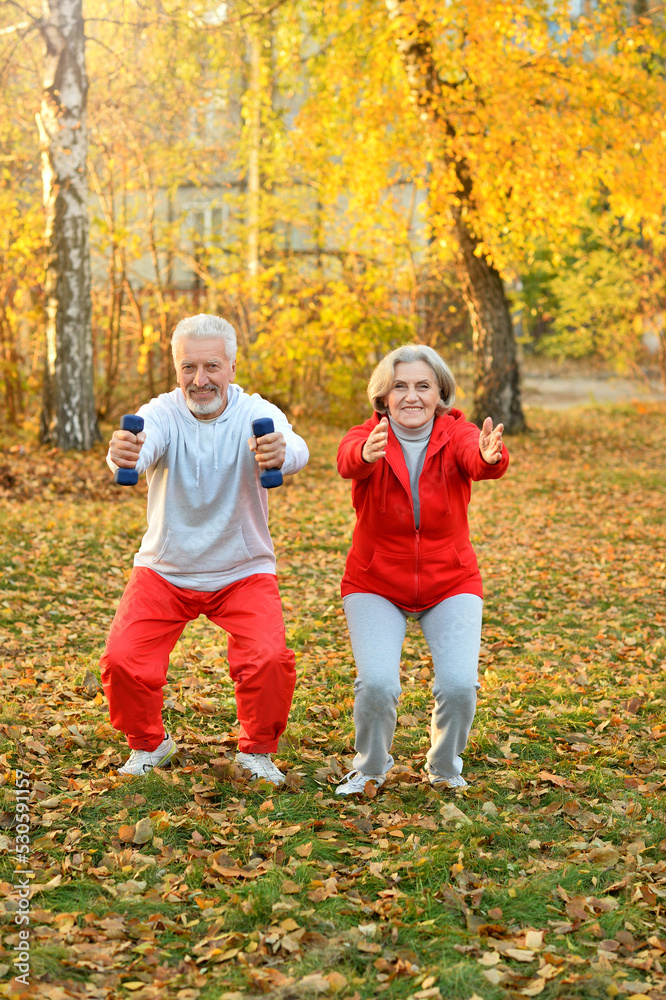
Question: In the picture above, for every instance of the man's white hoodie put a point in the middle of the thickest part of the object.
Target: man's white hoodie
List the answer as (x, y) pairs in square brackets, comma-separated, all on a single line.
[(207, 512)]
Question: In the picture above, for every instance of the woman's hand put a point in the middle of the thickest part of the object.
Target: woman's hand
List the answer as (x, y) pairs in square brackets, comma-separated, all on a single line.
[(375, 445), (490, 442)]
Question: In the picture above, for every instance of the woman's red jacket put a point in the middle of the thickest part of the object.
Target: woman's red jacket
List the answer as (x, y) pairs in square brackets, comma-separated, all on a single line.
[(415, 569)]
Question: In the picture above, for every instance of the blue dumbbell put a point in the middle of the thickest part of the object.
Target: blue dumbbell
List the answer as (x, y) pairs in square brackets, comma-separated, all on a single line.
[(128, 477), (269, 477)]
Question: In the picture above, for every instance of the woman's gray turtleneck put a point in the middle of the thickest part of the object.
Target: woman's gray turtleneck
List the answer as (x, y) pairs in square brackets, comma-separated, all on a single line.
[(414, 444)]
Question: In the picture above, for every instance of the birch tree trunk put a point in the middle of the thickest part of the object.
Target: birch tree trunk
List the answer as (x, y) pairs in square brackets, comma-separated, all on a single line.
[(68, 415), (497, 376)]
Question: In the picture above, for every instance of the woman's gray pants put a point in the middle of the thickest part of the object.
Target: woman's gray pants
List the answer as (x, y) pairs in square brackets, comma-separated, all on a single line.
[(377, 629)]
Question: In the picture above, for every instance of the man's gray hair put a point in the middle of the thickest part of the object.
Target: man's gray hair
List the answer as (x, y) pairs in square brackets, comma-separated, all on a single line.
[(206, 327), (382, 378)]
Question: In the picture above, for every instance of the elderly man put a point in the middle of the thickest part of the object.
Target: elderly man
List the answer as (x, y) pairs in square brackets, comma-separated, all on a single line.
[(207, 551)]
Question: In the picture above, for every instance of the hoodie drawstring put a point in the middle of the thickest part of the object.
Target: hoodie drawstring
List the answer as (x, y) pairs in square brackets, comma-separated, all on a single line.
[(198, 454)]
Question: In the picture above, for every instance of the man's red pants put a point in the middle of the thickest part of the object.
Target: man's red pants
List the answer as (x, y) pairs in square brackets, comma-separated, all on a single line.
[(149, 621)]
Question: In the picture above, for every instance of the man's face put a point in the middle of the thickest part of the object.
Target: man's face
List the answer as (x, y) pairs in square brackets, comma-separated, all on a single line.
[(204, 374)]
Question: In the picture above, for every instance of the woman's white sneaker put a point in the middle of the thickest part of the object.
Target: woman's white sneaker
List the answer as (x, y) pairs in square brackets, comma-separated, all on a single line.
[(354, 783), (260, 765), (456, 781), (140, 762)]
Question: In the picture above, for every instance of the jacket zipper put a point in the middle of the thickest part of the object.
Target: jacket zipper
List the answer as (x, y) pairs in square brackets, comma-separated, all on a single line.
[(417, 560)]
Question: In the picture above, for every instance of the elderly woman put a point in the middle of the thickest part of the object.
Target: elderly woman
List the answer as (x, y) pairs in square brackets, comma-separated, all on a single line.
[(411, 465)]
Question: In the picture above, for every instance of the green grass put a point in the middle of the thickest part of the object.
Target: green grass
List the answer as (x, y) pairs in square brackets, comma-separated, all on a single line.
[(248, 891)]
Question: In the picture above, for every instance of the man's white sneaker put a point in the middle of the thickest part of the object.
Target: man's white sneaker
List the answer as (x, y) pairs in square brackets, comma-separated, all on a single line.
[(141, 761), (457, 781), (354, 783), (260, 765)]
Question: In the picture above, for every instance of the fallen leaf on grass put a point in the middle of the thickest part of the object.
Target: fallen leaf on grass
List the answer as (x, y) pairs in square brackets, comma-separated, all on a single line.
[(520, 954), (218, 956), (287, 831), (52, 884), (577, 906), (77, 735), (408, 720), (534, 939), (294, 782), (369, 946), (606, 855), (234, 873), (495, 976), (143, 832), (205, 904), (586, 820), (205, 706), (174, 706), (323, 890), (132, 887), (370, 790), (555, 779), (268, 979), (534, 987), (451, 814), (657, 943), (314, 983), (337, 981)]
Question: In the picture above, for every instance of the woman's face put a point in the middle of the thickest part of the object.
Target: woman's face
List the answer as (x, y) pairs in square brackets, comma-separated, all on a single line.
[(414, 395)]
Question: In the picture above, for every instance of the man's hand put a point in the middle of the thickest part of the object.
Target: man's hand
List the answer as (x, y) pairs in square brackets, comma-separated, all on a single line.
[(125, 447), (490, 442), (270, 450), (375, 445)]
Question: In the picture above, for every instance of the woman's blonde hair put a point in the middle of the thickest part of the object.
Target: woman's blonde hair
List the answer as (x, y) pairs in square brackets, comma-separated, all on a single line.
[(383, 376)]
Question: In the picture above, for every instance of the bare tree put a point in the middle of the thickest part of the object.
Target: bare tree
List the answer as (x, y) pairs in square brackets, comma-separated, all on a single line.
[(68, 415)]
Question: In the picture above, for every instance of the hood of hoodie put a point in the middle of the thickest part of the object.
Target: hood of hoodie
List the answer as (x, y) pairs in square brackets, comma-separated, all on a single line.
[(175, 403)]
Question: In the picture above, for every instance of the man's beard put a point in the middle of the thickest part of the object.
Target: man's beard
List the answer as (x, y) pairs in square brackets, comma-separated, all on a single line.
[(203, 409)]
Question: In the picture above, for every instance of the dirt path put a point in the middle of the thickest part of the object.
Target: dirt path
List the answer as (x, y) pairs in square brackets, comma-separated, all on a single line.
[(554, 392)]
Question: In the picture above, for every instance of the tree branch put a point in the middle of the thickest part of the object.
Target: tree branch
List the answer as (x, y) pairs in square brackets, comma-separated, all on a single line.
[(16, 27)]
